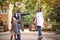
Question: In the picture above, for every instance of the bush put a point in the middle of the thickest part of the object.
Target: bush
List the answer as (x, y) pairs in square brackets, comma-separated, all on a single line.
[(56, 28), (46, 29)]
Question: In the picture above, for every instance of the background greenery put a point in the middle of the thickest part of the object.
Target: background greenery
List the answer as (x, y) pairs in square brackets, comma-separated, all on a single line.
[(50, 8)]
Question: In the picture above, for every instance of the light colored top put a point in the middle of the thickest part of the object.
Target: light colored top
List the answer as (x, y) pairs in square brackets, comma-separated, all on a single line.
[(39, 19)]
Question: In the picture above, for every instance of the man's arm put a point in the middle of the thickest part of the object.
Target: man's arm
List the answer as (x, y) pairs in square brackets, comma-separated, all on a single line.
[(25, 14)]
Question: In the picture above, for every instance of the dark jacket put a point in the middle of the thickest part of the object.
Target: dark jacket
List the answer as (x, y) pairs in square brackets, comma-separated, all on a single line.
[(19, 18)]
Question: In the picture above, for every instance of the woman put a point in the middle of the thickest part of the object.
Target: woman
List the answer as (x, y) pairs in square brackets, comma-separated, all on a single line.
[(39, 21)]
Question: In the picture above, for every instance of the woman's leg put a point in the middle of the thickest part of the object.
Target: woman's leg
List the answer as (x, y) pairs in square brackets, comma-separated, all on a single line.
[(39, 33)]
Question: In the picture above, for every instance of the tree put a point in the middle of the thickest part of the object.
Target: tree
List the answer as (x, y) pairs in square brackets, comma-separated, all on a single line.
[(51, 9), (30, 6)]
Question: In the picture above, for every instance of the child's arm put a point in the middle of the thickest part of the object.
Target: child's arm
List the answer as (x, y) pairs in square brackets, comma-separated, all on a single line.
[(14, 20)]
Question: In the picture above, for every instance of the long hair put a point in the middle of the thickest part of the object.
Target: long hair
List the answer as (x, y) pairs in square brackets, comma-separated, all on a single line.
[(39, 9)]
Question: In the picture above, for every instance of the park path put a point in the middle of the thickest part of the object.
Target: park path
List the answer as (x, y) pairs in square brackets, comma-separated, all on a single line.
[(31, 35)]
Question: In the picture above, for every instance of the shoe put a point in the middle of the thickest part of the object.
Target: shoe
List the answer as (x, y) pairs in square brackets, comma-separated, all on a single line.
[(18, 39), (40, 37)]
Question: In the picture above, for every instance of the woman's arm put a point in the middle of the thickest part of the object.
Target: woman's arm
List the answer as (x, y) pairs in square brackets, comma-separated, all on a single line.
[(34, 20)]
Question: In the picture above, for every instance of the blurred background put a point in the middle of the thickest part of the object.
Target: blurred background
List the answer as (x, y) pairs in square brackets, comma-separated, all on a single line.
[(50, 9)]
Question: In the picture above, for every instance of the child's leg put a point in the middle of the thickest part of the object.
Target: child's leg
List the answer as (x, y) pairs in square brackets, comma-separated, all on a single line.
[(11, 36), (15, 36)]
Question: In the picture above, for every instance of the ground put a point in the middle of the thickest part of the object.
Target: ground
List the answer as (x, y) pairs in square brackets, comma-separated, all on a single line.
[(31, 35)]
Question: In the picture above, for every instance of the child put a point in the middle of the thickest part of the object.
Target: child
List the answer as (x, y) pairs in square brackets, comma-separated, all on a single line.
[(14, 29)]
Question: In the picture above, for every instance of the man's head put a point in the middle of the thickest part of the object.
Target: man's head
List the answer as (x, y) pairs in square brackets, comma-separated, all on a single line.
[(18, 10)]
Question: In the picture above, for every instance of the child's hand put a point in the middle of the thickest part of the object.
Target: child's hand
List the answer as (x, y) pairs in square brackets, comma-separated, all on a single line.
[(17, 21)]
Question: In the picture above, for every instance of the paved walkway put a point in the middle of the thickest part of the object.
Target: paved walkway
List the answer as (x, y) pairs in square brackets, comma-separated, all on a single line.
[(31, 35)]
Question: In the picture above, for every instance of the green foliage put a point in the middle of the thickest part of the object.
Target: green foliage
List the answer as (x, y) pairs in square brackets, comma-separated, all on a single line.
[(55, 13), (14, 1), (47, 29), (30, 6), (47, 7), (51, 9), (0, 3), (3, 2), (28, 19)]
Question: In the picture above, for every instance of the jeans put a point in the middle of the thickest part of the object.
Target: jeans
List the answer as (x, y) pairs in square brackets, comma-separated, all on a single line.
[(39, 31), (18, 35)]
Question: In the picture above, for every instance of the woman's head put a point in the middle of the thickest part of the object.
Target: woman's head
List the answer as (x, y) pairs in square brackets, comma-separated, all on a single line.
[(38, 9)]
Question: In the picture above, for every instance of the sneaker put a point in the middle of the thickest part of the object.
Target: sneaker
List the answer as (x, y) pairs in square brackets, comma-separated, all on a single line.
[(18, 39), (40, 37)]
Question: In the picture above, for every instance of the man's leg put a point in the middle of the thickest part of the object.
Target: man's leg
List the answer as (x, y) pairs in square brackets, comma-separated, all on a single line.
[(18, 35)]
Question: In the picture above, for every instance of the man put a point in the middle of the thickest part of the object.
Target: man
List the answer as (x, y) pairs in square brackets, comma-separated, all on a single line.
[(18, 16), (39, 21)]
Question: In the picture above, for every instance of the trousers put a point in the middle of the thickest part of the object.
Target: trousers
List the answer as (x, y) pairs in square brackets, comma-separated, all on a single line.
[(39, 31)]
